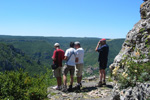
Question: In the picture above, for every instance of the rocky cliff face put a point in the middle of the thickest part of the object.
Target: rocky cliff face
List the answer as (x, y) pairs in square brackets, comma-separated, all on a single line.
[(137, 39), (137, 44)]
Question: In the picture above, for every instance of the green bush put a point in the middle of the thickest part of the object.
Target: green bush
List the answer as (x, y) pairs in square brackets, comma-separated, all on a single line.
[(18, 85), (136, 72), (133, 72)]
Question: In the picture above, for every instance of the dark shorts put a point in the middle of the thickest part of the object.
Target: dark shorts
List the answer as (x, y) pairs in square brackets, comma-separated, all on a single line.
[(67, 69), (102, 65)]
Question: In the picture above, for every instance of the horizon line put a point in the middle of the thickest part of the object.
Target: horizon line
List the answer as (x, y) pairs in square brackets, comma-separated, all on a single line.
[(58, 36)]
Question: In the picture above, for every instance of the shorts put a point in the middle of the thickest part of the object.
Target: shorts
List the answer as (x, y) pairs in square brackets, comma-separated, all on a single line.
[(67, 69), (58, 72), (102, 65), (79, 69)]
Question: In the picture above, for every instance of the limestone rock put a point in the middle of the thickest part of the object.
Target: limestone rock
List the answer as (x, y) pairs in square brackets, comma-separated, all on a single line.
[(138, 38), (140, 92)]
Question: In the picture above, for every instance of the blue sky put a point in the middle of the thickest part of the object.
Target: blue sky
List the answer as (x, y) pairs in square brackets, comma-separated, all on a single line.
[(69, 18)]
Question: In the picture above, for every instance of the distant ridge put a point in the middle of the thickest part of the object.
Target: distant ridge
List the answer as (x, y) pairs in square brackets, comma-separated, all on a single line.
[(57, 37)]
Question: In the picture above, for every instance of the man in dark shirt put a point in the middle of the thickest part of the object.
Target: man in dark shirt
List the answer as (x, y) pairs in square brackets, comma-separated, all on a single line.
[(103, 50), (57, 57)]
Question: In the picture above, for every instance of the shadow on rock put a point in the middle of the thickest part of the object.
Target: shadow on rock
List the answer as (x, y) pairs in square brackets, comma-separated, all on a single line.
[(84, 89), (88, 89), (109, 86)]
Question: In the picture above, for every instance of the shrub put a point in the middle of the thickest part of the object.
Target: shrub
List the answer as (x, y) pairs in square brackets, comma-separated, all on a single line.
[(133, 72), (18, 85)]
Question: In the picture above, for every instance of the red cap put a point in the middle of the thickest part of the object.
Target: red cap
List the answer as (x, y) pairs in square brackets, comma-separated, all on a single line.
[(103, 39)]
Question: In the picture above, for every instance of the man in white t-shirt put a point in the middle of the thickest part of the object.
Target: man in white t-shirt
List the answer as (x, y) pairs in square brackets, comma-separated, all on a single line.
[(70, 56), (79, 63)]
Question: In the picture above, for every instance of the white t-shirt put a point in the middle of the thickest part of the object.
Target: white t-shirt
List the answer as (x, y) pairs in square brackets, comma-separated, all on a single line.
[(68, 52), (80, 55)]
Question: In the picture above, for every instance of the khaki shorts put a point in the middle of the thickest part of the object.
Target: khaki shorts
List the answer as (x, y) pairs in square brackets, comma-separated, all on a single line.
[(68, 68), (58, 72), (79, 69)]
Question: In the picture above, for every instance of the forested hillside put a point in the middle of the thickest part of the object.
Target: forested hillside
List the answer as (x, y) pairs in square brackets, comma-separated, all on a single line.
[(33, 56), (41, 49), (13, 59)]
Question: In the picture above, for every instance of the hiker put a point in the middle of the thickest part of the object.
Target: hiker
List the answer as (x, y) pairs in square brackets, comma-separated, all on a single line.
[(103, 50), (79, 63), (57, 57), (70, 56)]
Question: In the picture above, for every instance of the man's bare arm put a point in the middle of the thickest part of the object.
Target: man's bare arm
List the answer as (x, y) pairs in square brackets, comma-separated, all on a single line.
[(97, 46), (65, 58), (77, 59), (53, 59)]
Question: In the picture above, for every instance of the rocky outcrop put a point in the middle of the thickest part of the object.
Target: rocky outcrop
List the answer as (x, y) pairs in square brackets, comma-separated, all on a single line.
[(140, 92), (137, 39), (137, 43)]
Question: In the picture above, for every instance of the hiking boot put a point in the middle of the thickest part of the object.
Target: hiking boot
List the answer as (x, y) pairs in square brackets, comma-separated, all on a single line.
[(78, 90), (100, 84), (70, 88), (64, 89), (78, 87), (57, 87), (80, 84), (104, 82)]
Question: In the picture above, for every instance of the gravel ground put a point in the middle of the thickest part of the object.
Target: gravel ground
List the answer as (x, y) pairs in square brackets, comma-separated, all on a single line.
[(89, 91)]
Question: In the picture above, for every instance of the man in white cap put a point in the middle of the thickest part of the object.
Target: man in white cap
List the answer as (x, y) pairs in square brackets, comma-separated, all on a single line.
[(79, 63), (57, 57), (103, 50)]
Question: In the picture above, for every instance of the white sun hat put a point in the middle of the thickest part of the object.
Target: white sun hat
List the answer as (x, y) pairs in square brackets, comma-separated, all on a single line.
[(56, 44), (77, 42)]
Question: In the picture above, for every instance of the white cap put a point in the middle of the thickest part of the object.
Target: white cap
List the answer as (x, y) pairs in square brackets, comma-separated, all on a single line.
[(56, 44), (76, 43)]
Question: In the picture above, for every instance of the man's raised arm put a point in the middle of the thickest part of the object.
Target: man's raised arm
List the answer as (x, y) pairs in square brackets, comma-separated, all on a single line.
[(97, 46)]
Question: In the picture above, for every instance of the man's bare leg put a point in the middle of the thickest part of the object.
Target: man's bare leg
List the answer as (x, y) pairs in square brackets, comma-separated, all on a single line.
[(65, 80), (79, 79), (101, 75), (59, 81), (71, 80)]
